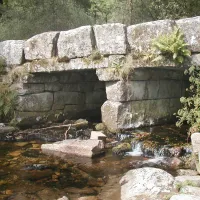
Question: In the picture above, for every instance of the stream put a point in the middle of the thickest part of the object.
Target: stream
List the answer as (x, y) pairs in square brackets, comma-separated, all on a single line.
[(28, 174)]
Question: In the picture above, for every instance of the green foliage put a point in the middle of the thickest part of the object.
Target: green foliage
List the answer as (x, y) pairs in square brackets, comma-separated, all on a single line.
[(30, 17), (190, 112), (7, 101), (171, 46), (101, 9), (2, 64)]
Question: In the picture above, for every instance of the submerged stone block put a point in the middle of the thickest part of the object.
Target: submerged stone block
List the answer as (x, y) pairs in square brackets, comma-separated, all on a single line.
[(11, 51), (41, 46), (74, 147), (76, 43), (110, 38)]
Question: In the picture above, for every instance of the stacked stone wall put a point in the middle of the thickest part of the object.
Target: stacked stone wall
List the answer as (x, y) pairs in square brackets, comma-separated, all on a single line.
[(59, 96), (147, 99)]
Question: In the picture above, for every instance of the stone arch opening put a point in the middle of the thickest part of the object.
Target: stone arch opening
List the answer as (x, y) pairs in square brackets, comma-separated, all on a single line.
[(57, 96)]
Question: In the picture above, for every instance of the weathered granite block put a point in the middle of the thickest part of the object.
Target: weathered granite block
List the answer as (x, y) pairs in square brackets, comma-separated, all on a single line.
[(140, 36), (146, 183), (139, 74), (41, 46), (139, 90), (28, 119), (118, 116), (76, 43), (53, 87), (63, 98), (98, 135), (110, 38), (110, 111), (169, 89), (126, 90), (27, 88), (40, 78), (195, 138), (86, 86), (74, 147), (190, 27), (72, 87), (195, 59), (88, 63), (96, 97), (152, 89), (12, 51), (35, 102)]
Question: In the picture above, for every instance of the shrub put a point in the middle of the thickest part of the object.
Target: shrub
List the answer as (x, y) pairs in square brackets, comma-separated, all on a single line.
[(171, 46), (190, 112), (2, 64), (7, 101)]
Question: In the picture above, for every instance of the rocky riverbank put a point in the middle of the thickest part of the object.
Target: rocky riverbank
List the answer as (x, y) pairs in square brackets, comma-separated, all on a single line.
[(27, 173)]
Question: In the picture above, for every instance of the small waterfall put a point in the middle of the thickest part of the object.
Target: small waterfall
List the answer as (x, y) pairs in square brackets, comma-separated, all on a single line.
[(136, 149)]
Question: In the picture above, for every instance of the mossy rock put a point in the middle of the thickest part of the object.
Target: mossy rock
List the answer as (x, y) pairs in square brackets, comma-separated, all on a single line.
[(121, 149)]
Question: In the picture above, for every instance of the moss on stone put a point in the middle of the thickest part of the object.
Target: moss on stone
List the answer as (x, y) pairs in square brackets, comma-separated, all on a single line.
[(122, 148)]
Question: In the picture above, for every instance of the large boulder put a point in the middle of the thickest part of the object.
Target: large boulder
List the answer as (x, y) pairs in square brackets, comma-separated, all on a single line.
[(110, 38), (190, 27), (75, 43), (11, 51), (74, 147), (140, 36), (41, 46), (145, 182)]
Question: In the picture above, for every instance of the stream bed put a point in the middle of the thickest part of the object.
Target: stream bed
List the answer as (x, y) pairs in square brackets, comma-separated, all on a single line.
[(28, 174)]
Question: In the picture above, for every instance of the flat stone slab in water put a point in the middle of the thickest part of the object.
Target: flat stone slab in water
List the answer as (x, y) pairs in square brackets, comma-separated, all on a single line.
[(85, 148)]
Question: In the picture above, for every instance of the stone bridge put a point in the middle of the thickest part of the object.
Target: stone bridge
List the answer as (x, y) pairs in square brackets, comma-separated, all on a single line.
[(99, 71)]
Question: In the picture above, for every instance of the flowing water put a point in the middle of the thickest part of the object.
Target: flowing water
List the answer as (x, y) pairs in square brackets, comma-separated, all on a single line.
[(27, 174)]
